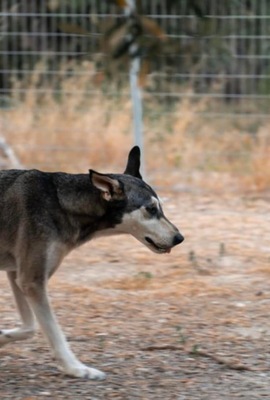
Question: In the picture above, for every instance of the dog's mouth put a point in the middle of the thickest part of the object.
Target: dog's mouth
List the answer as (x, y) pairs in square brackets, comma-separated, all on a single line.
[(156, 247)]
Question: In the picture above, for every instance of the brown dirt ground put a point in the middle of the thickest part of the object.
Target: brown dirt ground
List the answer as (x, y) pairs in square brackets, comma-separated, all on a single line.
[(190, 325)]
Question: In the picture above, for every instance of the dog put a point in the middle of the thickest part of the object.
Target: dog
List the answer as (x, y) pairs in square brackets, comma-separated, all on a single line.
[(44, 215)]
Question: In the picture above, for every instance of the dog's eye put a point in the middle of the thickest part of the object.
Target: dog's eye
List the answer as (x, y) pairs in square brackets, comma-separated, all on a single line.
[(152, 210)]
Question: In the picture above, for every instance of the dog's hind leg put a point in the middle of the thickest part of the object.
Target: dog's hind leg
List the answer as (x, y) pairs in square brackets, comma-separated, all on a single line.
[(27, 329)]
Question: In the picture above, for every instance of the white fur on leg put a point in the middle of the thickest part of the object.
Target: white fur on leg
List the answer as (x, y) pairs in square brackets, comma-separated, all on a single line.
[(11, 335), (82, 371), (68, 362)]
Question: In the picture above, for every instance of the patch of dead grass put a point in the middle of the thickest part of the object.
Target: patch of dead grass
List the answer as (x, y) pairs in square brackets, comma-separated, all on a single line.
[(79, 130)]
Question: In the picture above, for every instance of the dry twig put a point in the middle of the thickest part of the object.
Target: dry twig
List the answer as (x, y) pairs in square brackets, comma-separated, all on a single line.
[(202, 353)]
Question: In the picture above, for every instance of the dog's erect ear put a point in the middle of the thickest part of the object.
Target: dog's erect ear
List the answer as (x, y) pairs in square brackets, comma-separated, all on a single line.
[(108, 186), (134, 162)]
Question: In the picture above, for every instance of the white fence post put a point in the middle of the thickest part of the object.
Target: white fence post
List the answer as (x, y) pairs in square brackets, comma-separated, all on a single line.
[(136, 94)]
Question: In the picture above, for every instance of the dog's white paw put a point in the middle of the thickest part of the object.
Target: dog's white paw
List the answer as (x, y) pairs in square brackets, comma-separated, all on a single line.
[(82, 371), (11, 335), (4, 338)]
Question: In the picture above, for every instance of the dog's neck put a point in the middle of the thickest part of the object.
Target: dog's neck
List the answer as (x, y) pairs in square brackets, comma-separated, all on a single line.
[(87, 213)]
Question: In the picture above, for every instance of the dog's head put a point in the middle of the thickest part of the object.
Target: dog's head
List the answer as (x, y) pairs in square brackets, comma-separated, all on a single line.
[(141, 211)]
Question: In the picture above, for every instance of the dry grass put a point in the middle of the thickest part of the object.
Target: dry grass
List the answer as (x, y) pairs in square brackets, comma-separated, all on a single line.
[(79, 131)]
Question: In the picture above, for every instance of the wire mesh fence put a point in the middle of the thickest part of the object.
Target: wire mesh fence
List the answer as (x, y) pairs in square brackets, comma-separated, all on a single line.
[(228, 46), (211, 58)]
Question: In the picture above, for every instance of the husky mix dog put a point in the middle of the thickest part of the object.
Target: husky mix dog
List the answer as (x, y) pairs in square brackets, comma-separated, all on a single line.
[(43, 216)]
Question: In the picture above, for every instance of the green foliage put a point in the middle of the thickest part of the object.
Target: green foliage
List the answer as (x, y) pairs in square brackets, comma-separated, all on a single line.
[(145, 275), (181, 336)]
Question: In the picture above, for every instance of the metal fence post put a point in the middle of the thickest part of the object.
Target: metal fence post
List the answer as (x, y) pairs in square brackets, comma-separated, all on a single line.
[(136, 94)]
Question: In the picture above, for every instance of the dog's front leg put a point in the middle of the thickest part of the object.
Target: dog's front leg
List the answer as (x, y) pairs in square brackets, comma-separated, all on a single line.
[(69, 364)]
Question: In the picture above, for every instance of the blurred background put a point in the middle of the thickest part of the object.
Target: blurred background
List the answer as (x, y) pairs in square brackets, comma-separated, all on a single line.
[(65, 101), (195, 324)]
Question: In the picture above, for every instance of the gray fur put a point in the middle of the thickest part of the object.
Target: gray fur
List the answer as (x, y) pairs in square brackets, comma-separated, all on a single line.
[(43, 216)]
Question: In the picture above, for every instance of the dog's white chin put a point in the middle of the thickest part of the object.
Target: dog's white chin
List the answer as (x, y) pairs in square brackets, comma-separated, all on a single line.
[(155, 248), (160, 250)]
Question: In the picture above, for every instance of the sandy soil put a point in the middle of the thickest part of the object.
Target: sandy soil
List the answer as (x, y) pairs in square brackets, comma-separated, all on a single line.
[(190, 325)]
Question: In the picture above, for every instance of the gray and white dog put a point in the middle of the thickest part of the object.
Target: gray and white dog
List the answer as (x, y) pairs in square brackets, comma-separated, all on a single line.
[(43, 216)]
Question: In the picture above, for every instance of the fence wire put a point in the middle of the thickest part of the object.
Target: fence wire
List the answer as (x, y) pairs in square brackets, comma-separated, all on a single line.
[(227, 49), (214, 53)]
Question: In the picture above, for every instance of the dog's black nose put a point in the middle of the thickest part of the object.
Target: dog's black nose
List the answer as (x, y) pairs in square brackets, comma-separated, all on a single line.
[(178, 239)]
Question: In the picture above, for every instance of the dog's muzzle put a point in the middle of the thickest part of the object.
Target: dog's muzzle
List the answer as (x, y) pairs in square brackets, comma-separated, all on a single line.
[(158, 248)]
